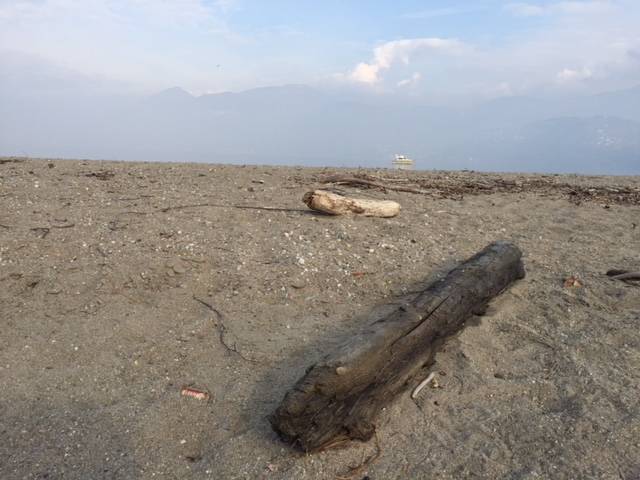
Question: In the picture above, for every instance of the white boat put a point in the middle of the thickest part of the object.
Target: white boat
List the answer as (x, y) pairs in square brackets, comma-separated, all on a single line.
[(402, 162)]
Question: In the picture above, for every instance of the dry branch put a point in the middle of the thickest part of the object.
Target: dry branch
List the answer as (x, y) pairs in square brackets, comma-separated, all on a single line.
[(241, 207), (222, 330), (335, 204), (355, 181), (339, 398)]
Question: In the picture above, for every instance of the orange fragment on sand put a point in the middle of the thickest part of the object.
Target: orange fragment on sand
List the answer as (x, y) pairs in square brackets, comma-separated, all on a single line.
[(572, 282), (194, 393)]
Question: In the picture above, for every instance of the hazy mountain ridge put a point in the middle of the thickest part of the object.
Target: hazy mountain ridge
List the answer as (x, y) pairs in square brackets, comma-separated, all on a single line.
[(297, 124)]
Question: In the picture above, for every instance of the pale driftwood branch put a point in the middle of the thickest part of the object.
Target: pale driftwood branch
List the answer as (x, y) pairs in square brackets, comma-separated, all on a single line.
[(335, 204), (422, 384), (340, 397)]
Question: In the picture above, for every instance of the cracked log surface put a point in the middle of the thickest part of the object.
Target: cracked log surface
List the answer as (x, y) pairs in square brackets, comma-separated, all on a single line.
[(339, 398)]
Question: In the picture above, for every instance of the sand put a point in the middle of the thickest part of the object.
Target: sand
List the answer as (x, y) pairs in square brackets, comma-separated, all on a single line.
[(115, 293)]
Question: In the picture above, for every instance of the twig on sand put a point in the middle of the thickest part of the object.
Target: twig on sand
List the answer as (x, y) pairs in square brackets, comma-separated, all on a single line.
[(42, 232), (347, 180), (358, 470), (216, 205), (11, 160), (125, 199), (101, 251), (222, 329), (181, 207), (133, 212), (243, 207), (209, 306), (5, 226), (422, 384)]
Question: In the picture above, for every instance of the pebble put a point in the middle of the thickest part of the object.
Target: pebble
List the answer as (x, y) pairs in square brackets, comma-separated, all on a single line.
[(298, 283), (179, 269)]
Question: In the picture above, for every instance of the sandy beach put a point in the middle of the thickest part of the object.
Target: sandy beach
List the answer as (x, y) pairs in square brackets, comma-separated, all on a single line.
[(122, 283)]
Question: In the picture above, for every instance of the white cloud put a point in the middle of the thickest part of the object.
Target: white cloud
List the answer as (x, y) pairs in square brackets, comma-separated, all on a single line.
[(568, 75), (525, 9), (588, 46), (440, 12), (587, 7), (566, 7), (399, 51), (226, 5), (152, 43), (503, 89), (176, 12), (365, 73), (412, 80)]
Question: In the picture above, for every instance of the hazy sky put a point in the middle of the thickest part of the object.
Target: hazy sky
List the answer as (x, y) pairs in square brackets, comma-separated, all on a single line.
[(434, 49)]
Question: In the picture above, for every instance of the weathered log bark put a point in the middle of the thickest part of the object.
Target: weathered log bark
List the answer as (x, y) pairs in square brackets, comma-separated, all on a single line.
[(335, 204), (339, 398)]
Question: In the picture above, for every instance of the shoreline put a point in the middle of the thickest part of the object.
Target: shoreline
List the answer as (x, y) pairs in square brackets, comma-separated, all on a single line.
[(10, 158)]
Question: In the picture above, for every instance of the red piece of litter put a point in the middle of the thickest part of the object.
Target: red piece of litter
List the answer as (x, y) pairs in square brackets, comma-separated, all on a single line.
[(194, 393)]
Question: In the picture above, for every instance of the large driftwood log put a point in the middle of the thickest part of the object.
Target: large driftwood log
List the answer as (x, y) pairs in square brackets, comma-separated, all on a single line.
[(339, 398), (335, 204)]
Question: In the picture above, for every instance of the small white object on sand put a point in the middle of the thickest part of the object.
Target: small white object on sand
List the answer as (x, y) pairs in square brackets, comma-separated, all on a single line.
[(422, 384)]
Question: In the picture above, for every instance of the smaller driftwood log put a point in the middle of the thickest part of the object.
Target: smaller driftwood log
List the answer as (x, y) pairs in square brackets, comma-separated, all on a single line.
[(624, 275), (339, 398), (335, 204)]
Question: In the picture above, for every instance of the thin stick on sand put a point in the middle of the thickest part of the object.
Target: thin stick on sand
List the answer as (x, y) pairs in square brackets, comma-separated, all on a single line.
[(422, 384)]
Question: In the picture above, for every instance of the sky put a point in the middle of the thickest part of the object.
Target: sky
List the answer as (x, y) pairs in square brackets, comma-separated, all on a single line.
[(430, 49)]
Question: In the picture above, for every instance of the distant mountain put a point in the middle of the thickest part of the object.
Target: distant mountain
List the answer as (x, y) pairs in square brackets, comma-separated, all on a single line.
[(596, 144), (297, 124), (623, 103), (174, 97), (605, 133)]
